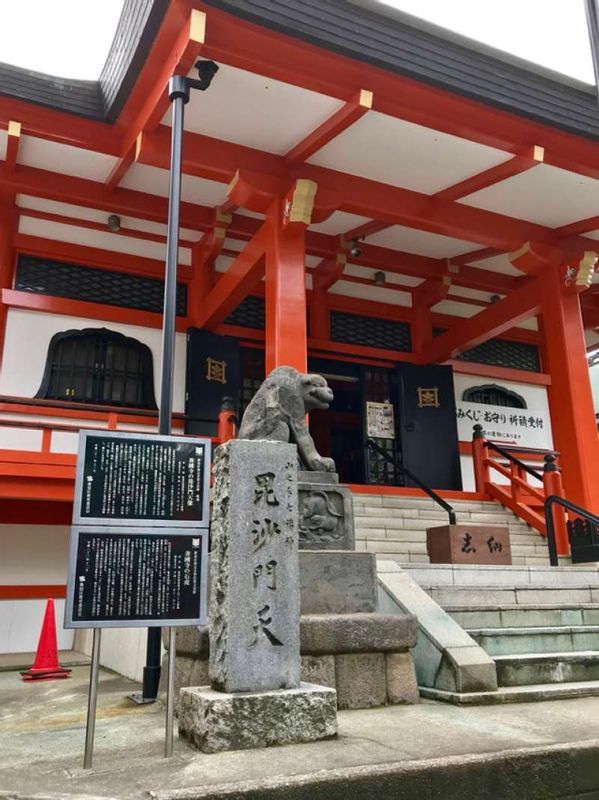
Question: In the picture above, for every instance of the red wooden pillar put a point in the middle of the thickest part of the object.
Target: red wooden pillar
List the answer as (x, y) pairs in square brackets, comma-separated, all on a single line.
[(286, 329), (8, 219), (570, 398)]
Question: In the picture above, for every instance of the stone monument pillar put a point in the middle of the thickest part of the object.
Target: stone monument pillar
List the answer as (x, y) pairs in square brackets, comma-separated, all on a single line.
[(256, 698)]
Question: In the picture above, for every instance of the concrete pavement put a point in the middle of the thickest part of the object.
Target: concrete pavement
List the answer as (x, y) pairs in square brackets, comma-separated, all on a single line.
[(433, 750)]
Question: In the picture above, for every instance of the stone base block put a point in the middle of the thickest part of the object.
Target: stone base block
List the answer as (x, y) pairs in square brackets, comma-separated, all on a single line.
[(216, 721), (337, 582), (361, 680), (402, 686), (189, 671)]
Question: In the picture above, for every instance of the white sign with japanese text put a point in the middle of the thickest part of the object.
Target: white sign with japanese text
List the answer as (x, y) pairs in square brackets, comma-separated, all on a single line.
[(523, 427), (380, 420)]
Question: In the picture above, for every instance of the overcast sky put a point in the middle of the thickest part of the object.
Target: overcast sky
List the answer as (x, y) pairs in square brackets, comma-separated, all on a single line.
[(71, 38)]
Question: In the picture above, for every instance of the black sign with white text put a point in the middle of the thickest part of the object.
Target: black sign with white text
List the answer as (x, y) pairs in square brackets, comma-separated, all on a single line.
[(127, 478), (126, 578)]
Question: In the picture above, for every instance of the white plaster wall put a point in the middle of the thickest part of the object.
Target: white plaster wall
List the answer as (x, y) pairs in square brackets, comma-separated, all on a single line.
[(31, 555), (28, 335), (536, 399), (122, 649), (594, 372)]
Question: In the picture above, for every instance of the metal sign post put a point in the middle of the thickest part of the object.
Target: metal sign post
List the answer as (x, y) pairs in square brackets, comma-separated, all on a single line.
[(179, 88), (92, 700)]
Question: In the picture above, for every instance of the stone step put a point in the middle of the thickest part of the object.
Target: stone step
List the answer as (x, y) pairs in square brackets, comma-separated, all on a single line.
[(527, 669), (549, 639), (516, 694), (524, 616), (580, 576), (492, 596)]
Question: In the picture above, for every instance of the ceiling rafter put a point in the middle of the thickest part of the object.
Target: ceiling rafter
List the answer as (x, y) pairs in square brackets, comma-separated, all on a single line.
[(184, 52), (341, 120)]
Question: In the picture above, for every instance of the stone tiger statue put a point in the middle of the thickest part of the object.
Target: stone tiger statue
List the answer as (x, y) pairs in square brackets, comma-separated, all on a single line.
[(278, 412)]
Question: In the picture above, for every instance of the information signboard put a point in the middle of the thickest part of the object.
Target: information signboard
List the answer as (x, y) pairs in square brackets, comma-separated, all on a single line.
[(119, 577), (131, 478)]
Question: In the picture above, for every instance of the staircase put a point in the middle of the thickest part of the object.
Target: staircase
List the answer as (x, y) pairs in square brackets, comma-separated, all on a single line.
[(540, 626), (394, 526)]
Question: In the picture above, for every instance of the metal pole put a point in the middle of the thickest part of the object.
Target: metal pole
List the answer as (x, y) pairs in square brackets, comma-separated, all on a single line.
[(170, 693), (92, 700), (178, 93)]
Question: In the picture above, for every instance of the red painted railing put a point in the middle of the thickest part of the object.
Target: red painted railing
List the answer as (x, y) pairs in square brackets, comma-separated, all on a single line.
[(518, 494)]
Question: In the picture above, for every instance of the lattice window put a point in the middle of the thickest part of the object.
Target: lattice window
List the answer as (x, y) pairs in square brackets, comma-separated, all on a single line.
[(252, 375), (92, 285), (501, 353), (493, 395), (98, 366), (370, 331), (250, 313)]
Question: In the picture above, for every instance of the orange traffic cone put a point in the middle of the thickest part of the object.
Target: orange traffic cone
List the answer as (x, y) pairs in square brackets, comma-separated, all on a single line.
[(46, 666)]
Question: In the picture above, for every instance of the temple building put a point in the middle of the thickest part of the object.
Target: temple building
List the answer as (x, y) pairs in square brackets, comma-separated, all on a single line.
[(406, 212)]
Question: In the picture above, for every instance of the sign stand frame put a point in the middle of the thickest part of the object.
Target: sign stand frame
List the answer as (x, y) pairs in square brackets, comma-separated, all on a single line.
[(92, 700)]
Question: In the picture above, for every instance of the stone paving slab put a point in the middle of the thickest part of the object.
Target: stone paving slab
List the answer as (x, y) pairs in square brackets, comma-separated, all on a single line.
[(432, 750)]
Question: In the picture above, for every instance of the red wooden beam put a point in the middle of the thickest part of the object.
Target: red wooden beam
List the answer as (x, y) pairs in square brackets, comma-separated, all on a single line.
[(577, 228), (240, 279), (80, 308), (248, 46), (12, 144), (216, 160), (489, 323), (531, 157), (179, 61), (353, 110)]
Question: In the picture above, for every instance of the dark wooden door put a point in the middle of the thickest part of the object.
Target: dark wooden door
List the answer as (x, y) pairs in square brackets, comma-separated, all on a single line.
[(428, 427), (213, 372)]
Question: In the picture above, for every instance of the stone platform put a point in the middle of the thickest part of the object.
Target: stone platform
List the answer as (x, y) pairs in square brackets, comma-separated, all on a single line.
[(526, 751), (215, 721)]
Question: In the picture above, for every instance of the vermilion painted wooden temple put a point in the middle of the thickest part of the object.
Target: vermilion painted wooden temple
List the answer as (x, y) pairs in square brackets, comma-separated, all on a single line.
[(411, 214)]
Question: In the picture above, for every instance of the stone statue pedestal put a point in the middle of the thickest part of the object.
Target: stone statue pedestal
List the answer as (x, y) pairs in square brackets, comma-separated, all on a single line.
[(255, 698), (215, 721), (326, 516)]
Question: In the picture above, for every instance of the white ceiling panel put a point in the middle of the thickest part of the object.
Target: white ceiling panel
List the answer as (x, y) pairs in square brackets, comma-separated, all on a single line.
[(339, 222), (401, 153), (3, 137), (377, 294), (592, 235), (390, 277), (223, 263), (103, 240), (456, 309), (500, 263), (530, 324), (154, 180), (545, 195), (421, 243), (256, 111), (97, 215), (64, 158)]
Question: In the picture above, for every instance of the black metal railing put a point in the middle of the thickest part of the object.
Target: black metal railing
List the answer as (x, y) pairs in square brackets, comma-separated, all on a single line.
[(399, 466), (507, 453), (550, 502)]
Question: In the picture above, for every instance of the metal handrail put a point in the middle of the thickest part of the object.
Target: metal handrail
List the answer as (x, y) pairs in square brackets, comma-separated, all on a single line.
[(550, 525), (514, 460), (398, 465)]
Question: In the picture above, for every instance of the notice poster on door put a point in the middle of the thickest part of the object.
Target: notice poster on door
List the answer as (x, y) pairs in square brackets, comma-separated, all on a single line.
[(523, 427), (380, 420)]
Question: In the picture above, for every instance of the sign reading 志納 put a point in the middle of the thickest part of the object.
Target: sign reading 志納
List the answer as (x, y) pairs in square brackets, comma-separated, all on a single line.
[(123, 578), (129, 478), (380, 420), (523, 427)]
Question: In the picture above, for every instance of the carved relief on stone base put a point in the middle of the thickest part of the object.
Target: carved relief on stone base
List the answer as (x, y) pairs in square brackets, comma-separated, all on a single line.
[(326, 518)]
